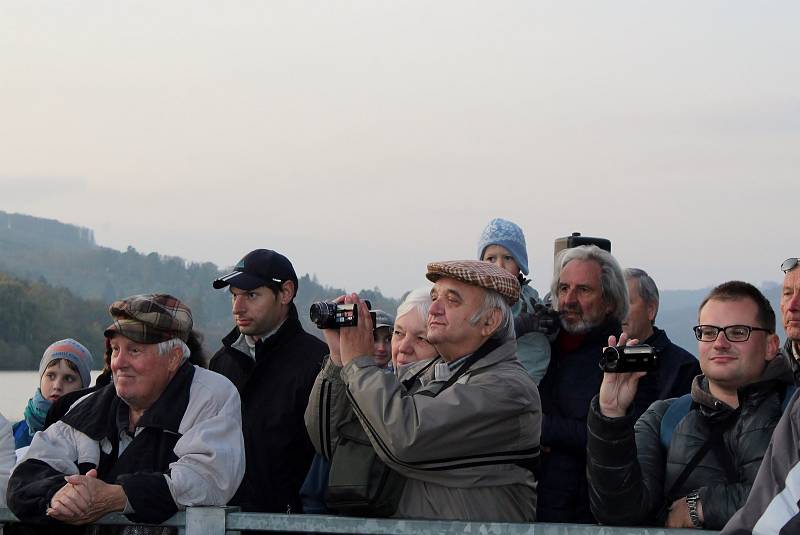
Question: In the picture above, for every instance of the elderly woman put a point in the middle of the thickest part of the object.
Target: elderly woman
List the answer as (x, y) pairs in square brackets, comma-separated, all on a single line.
[(409, 346)]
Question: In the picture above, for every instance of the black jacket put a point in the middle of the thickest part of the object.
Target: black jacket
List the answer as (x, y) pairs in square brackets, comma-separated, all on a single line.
[(274, 388), (573, 378), (676, 370), (628, 464)]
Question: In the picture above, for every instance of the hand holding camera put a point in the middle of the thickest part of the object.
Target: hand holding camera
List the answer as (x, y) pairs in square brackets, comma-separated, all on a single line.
[(618, 388), (543, 319)]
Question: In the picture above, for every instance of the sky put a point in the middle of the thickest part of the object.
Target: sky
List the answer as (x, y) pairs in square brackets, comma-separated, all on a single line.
[(363, 139)]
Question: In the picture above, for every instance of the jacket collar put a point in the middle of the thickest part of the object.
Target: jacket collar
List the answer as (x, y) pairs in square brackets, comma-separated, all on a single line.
[(290, 327)]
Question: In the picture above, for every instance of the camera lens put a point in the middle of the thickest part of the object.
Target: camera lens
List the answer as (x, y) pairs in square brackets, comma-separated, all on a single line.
[(611, 358), (319, 313)]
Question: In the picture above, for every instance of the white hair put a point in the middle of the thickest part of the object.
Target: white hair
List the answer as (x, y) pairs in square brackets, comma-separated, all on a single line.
[(165, 347), (419, 300), (492, 300)]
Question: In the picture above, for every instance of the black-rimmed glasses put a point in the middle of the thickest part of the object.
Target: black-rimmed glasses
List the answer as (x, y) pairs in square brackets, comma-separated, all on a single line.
[(734, 333), (789, 264)]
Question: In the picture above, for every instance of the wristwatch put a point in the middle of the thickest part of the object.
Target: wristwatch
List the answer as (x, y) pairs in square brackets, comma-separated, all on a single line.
[(691, 501)]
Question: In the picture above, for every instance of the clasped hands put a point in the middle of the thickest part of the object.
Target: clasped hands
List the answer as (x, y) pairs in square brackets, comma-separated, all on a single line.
[(85, 498)]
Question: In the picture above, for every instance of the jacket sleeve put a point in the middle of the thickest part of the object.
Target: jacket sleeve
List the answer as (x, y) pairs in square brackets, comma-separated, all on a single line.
[(533, 351), (53, 454), (421, 432), (771, 506), (7, 457), (625, 465), (210, 452), (328, 408)]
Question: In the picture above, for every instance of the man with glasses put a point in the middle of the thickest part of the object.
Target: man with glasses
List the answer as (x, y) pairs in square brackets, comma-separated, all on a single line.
[(689, 462), (772, 504)]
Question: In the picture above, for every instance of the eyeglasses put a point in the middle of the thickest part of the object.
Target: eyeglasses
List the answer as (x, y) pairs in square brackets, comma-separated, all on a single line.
[(789, 264), (734, 333)]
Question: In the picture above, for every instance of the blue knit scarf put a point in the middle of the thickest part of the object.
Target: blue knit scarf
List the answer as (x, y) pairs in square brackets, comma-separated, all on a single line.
[(36, 412)]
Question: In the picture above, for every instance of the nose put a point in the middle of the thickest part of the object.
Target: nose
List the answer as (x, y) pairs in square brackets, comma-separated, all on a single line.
[(406, 346), (722, 341), (794, 301), (436, 308), (238, 304)]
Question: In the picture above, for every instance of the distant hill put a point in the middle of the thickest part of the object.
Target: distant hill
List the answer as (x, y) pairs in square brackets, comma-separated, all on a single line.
[(50, 255), (44, 256)]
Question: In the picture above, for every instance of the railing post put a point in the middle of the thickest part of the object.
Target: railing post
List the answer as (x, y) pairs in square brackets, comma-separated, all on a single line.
[(205, 521)]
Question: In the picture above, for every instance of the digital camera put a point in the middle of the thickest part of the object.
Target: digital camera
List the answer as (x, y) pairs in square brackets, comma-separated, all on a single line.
[(329, 315), (641, 358)]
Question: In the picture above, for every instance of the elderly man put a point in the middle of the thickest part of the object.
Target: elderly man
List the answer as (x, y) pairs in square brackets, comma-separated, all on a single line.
[(591, 296), (689, 462), (464, 431), (164, 435), (772, 504), (677, 367)]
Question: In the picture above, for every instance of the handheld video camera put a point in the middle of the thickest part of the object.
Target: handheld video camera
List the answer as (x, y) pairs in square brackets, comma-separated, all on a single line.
[(329, 315), (641, 358)]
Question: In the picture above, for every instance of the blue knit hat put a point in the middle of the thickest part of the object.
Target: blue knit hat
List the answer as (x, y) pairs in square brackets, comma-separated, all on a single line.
[(506, 234), (70, 350)]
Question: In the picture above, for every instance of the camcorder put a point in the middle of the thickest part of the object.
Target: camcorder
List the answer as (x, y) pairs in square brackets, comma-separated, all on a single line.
[(641, 358), (543, 319), (330, 315)]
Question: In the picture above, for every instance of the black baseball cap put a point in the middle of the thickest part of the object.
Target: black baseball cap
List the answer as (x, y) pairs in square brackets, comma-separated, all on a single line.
[(262, 267)]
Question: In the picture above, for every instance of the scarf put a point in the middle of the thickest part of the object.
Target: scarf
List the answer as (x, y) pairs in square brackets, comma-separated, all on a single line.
[(36, 412)]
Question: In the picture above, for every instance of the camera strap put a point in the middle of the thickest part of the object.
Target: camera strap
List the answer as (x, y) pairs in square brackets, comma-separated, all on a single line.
[(487, 347), (714, 443)]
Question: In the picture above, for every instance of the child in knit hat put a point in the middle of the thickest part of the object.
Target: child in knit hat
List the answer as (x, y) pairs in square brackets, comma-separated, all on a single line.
[(64, 368), (503, 243)]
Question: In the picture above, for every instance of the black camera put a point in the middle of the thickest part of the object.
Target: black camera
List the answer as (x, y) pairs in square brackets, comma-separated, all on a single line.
[(543, 319), (641, 358), (329, 315)]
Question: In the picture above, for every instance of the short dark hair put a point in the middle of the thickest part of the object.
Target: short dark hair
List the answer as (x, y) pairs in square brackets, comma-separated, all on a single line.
[(736, 290), (71, 365)]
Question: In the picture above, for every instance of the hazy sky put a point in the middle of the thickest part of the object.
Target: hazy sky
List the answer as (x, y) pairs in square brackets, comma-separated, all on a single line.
[(363, 139)]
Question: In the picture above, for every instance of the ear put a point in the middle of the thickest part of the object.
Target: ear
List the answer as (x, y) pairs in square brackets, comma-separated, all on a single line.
[(286, 293), (175, 359), (773, 346), (491, 322), (651, 312)]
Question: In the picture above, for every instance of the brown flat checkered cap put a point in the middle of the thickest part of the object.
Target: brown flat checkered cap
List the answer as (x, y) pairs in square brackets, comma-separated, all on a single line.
[(150, 318), (478, 273)]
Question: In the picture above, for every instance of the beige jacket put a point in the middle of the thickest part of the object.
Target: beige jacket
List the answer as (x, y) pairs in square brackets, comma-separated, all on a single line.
[(459, 449)]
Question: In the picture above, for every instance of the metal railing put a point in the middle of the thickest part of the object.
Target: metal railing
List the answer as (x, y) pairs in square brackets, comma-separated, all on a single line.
[(222, 520)]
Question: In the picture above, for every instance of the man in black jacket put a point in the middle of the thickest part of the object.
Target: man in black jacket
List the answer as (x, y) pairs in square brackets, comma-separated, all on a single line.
[(689, 462), (273, 363), (591, 297), (677, 367)]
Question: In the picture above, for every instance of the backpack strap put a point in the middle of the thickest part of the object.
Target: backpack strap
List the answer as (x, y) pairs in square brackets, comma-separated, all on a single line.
[(676, 412), (788, 394)]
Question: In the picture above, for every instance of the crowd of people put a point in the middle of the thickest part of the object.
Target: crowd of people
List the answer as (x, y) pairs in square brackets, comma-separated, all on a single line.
[(476, 400)]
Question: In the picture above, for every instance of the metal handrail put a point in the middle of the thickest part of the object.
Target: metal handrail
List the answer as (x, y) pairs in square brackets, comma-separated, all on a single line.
[(221, 520)]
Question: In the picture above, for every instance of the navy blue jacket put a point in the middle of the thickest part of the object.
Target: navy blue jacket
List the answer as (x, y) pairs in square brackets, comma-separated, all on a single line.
[(676, 370), (572, 380)]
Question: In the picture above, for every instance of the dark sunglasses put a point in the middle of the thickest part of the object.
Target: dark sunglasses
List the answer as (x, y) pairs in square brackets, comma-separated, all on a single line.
[(789, 264)]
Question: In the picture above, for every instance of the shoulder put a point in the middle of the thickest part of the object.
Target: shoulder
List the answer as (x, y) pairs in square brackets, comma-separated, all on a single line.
[(212, 383)]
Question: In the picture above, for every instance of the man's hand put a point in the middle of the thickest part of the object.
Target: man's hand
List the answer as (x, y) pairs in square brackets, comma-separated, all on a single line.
[(618, 389), (332, 338), (84, 499), (357, 341), (678, 516)]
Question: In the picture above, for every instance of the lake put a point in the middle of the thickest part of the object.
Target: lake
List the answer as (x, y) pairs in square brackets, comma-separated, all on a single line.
[(15, 390)]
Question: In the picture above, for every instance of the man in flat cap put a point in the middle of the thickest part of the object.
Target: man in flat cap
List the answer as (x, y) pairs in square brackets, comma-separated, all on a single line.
[(273, 363), (463, 431), (163, 435)]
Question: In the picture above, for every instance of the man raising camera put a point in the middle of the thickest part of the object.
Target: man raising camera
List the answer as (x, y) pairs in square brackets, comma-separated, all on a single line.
[(689, 462)]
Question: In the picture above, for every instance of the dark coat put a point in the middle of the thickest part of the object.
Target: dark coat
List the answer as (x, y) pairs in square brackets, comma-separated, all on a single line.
[(628, 464), (572, 380), (676, 370), (274, 388)]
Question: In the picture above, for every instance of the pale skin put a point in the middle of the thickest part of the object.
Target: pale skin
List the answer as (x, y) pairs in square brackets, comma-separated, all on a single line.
[(617, 392)]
